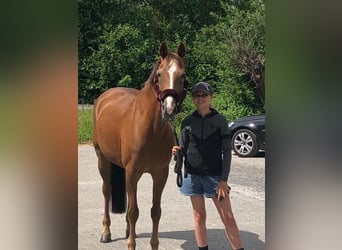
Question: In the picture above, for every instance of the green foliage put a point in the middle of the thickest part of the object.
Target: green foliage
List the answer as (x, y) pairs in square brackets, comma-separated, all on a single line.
[(242, 29), (215, 54), (85, 125), (120, 58), (187, 108), (118, 45)]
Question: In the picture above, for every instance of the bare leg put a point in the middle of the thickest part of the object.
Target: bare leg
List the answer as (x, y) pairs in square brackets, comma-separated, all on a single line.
[(198, 205), (232, 231)]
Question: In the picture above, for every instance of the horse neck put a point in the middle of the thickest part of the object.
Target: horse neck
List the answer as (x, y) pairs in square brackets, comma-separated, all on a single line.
[(150, 107)]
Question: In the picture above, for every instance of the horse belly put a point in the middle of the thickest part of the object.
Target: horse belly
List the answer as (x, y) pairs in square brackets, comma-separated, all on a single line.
[(111, 112)]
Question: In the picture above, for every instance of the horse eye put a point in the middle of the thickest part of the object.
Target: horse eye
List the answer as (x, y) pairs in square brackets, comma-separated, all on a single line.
[(158, 74)]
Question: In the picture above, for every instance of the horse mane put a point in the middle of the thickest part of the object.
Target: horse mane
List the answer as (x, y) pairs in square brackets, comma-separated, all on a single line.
[(153, 73)]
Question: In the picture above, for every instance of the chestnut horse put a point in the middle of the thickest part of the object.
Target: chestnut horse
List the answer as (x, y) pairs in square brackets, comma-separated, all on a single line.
[(132, 135)]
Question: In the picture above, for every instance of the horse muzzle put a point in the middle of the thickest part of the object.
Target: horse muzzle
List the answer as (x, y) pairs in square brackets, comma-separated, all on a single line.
[(171, 103), (169, 108)]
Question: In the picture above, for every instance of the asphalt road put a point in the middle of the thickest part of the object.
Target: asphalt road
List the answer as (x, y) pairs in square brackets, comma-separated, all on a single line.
[(247, 179)]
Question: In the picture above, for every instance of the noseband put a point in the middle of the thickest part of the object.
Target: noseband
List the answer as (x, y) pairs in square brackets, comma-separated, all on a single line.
[(161, 95)]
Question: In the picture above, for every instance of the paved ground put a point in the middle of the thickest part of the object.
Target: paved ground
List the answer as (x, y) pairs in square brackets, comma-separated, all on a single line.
[(176, 224)]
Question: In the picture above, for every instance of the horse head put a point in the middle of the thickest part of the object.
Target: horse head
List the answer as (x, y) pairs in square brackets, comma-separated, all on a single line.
[(170, 81)]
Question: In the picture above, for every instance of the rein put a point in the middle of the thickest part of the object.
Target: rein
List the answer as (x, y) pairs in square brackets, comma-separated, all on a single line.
[(178, 158)]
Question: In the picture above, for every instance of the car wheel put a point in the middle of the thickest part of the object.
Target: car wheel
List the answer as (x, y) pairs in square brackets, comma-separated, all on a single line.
[(244, 143)]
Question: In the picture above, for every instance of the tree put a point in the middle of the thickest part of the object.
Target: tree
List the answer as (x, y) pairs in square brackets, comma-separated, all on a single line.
[(245, 36), (226, 55), (119, 39)]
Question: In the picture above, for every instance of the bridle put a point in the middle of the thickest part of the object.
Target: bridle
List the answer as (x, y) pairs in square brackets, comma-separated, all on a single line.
[(161, 95)]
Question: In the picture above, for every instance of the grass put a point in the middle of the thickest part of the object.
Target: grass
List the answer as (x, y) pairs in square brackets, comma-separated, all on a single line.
[(85, 125)]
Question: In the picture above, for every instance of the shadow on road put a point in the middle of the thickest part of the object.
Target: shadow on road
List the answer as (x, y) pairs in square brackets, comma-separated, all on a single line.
[(216, 237), (260, 154)]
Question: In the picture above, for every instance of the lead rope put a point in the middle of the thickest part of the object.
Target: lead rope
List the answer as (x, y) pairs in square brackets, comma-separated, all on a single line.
[(178, 158)]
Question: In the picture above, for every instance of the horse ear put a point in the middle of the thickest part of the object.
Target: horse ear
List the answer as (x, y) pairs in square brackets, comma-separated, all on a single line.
[(181, 50), (163, 50)]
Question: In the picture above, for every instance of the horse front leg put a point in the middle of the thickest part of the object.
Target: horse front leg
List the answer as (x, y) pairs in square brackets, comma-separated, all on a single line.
[(104, 169), (159, 181), (132, 215), (127, 226)]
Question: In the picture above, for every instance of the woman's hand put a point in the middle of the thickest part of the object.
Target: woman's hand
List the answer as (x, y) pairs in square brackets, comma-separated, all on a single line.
[(222, 190), (175, 148)]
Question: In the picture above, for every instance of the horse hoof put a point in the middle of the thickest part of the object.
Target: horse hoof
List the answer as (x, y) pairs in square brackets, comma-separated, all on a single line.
[(105, 238)]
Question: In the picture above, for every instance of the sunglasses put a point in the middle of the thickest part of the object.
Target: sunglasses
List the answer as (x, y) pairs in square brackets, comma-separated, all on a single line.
[(200, 95)]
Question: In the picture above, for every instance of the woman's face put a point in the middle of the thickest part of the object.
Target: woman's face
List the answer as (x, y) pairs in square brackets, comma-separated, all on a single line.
[(201, 99)]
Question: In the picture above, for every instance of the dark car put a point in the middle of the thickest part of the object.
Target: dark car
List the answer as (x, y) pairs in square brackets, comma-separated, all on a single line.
[(248, 135)]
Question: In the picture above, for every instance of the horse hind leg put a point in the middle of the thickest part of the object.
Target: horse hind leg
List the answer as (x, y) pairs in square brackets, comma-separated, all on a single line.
[(159, 181), (105, 171)]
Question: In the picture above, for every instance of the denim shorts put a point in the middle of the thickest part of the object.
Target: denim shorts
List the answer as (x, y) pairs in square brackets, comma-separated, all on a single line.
[(197, 185)]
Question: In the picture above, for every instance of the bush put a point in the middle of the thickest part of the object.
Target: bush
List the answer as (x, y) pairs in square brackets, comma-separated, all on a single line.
[(85, 125)]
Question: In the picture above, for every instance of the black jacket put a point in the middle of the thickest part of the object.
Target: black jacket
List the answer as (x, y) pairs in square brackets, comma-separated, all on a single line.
[(206, 144)]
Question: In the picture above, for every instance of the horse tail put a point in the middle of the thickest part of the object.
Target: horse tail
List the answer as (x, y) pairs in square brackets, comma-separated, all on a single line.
[(119, 199)]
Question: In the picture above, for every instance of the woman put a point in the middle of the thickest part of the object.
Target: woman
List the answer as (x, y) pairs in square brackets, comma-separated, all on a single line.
[(205, 143)]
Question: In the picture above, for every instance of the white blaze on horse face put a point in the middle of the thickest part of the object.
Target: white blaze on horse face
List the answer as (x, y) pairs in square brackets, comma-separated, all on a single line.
[(169, 101), (171, 71)]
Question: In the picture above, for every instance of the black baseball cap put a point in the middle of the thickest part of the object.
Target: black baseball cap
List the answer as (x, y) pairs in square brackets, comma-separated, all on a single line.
[(203, 87)]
